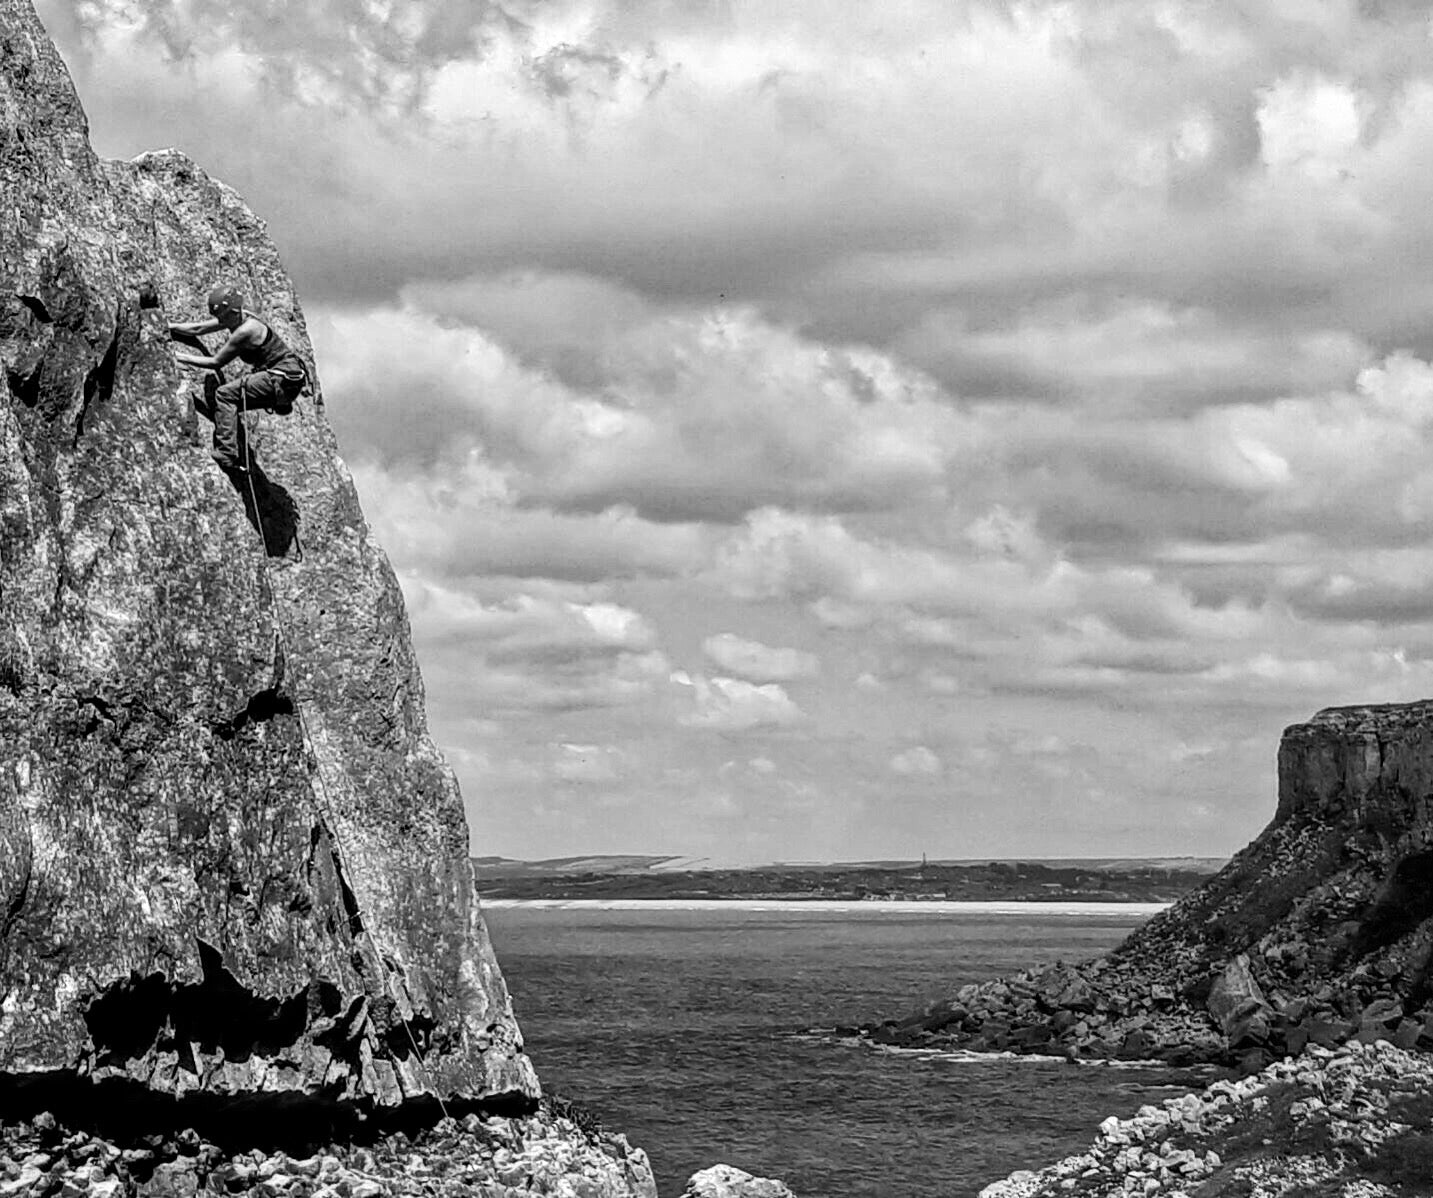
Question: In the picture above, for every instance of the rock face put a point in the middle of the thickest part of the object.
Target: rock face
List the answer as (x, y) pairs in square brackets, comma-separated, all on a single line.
[(1319, 931), (232, 863), (727, 1181)]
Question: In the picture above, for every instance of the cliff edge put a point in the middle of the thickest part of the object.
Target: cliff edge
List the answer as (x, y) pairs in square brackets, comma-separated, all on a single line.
[(233, 865)]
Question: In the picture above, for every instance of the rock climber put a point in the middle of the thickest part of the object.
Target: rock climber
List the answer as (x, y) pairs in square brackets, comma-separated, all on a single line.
[(275, 378)]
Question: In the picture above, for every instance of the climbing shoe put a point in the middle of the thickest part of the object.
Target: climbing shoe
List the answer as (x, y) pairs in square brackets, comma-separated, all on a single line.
[(227, 463)]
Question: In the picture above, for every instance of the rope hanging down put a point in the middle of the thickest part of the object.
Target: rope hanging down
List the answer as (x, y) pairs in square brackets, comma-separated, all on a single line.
[(322, 789)]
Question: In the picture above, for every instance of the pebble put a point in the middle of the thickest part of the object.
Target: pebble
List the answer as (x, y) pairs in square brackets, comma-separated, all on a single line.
[(27, 1177)]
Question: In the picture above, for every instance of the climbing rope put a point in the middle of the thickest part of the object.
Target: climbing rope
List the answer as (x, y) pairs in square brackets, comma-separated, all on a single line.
[(322, 788)]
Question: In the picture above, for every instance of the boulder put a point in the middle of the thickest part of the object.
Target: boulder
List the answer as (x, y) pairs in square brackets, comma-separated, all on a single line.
[(1238, 1005), (1077, 995), (725, 1181)]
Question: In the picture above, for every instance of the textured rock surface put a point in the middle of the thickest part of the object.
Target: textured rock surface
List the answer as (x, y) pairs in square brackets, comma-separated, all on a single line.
[(1353, 1123), (726, 1181), (543, 1153), (231, 860), (1319, 931)]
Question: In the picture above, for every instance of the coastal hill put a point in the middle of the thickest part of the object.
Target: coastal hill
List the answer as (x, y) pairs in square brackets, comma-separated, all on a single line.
[(1145, 880), (1318, 932), (237, 914)]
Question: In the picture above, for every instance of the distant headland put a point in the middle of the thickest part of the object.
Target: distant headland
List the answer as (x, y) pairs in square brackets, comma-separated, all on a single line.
[(609, 877)]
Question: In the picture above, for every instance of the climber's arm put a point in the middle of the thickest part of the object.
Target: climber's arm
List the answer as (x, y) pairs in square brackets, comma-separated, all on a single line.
[(214, 361), (195, 328), (225, 354)]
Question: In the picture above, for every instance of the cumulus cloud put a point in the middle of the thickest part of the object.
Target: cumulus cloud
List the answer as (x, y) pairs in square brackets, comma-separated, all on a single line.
[(333, 52), (916, 761), (461, 523), (804, 163), (529, 653), (563, 320), (528, 624), (1309, 125), (586, 763), (1143, 354), (818, 559), (703, 416), (733, 705), (758, 662)]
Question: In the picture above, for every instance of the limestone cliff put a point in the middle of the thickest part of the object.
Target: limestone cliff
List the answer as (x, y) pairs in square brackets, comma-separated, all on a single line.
[(232, 862), (1319, 930)]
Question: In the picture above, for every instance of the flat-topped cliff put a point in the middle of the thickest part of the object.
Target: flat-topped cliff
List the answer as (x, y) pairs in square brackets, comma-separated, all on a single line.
[(1320, 930), (1305, 964)]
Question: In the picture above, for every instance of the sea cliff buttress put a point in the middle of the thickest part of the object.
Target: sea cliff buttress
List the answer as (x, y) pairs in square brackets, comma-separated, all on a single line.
[(232, 861)]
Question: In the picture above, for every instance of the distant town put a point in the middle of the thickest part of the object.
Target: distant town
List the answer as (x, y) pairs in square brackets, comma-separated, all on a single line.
[(1145, 880)]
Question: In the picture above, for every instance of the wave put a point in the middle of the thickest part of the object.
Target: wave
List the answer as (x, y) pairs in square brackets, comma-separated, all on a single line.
[(969, 1056)]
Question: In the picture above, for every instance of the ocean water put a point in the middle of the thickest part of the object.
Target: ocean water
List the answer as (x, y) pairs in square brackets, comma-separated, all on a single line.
[(679, 1027)]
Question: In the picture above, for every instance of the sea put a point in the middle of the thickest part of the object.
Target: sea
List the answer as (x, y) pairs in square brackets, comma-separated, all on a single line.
[(686, 1026)]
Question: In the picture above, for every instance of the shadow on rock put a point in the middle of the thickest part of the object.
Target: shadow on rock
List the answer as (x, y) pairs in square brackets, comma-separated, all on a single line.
[(270, 508)]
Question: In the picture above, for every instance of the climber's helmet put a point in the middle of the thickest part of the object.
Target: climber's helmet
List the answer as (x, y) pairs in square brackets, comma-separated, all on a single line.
[(225, 302)]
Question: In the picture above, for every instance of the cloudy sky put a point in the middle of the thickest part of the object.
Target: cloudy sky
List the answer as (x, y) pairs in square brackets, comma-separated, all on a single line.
[(841, 430)]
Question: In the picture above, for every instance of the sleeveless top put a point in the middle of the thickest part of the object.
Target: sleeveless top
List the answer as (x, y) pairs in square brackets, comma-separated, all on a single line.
[(273, 353)]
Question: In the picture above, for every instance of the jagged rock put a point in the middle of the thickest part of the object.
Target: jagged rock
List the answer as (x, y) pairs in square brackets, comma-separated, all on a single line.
[(726, 1181), (1238, 1005), (232, 861), (1077, 995), (542, 1153), (1338, 1123)]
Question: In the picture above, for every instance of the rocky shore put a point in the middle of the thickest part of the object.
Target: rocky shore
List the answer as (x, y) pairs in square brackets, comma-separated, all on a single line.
[(1353, 1122), (1109, 1010), (486, 1157), (559, 1151), (1319, 932), (1303, 970)]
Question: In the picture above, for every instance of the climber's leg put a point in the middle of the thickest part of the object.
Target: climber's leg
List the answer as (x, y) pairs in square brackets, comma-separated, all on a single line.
[(229, 450), (266, 390)]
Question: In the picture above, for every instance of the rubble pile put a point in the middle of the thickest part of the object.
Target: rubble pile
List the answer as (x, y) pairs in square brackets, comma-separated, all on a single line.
[(1352, 1121)]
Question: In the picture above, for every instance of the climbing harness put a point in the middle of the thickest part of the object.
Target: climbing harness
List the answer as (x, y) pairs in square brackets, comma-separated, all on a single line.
[(322, 788)]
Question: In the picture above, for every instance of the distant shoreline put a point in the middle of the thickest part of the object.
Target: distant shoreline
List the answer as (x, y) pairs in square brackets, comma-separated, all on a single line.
[(850, 906), (923, 883)]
